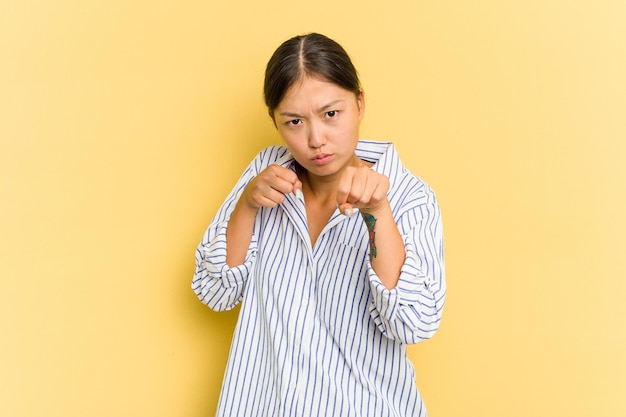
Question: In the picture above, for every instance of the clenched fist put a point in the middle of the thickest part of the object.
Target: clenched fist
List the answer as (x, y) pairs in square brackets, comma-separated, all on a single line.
[(362, 188), (268, 189)]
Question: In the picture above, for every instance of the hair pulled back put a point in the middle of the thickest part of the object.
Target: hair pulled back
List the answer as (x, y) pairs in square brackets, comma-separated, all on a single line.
[(312, 55)]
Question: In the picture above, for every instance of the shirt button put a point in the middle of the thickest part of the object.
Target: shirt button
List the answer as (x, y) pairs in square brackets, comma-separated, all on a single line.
[(292, 386), (298, 342), (305, 303)]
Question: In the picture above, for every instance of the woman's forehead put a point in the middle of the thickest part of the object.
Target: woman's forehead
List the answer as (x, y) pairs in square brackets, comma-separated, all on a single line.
[(310, 90)]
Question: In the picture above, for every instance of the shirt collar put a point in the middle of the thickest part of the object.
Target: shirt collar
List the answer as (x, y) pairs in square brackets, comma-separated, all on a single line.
[(383, 155)]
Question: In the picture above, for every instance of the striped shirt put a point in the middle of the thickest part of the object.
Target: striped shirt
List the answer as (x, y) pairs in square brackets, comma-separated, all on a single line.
[(318, 333)]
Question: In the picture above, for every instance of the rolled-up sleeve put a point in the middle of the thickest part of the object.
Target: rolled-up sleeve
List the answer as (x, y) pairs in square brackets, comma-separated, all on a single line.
[(411, 312), (215, 283)]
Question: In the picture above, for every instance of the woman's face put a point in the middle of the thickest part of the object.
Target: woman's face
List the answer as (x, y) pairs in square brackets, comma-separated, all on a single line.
[(319, 122)]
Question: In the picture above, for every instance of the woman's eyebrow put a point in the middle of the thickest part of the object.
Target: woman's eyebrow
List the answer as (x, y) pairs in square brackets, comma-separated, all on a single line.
[(289, 114), (329, 105), (321, 109)]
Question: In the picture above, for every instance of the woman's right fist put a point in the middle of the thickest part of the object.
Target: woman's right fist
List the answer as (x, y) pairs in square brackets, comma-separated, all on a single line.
[(268, 189)]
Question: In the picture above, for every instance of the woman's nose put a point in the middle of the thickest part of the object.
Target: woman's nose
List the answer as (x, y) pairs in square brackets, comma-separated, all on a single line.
[(316, 137)]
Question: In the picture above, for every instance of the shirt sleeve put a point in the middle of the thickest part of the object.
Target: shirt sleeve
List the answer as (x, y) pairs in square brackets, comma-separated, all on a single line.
[(215, 283), (411, 312)]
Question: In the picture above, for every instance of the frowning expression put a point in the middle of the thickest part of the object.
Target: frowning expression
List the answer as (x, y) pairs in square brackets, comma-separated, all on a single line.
[(319, 122)]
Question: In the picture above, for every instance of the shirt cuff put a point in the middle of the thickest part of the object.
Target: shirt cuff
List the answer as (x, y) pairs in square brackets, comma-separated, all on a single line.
[(411, 283), (214, 260)]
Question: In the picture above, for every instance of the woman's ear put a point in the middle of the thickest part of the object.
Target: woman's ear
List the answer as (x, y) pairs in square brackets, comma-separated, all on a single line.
[(360, 101)]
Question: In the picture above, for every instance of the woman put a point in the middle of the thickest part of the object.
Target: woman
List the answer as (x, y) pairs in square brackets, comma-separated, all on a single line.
[(334, 249)]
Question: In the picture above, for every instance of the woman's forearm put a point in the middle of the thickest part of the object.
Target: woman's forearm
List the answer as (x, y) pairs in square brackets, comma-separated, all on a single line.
[(387, 252), (239, 233)]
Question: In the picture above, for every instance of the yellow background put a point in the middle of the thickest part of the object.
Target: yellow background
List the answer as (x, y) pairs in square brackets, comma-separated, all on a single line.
[(123, 124)]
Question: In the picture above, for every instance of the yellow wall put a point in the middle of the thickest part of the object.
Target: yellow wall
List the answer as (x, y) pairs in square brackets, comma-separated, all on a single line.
[(124, 123)]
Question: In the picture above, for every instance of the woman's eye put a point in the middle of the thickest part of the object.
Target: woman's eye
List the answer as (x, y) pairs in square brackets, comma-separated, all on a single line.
[(331, 113), (295, 122)]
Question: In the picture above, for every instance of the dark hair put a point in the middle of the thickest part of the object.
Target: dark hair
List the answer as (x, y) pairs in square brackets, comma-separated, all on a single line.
[(307, 55)]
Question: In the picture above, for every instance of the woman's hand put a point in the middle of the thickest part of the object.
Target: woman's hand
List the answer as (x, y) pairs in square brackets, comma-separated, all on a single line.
[(268, 189), (362, 188)]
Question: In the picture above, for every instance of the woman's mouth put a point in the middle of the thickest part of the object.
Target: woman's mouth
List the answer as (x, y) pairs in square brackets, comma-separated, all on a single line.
[(321, 159)]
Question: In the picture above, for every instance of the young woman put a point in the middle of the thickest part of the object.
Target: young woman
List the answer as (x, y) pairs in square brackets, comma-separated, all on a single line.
[(334, 250)]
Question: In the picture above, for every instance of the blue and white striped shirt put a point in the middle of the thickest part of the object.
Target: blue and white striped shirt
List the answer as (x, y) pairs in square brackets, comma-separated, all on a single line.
[(318, 333)]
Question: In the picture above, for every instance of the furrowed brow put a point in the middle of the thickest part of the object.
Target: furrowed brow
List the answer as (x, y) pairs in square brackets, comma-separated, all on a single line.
[(320, 110), (289, 114), (329, 105)]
